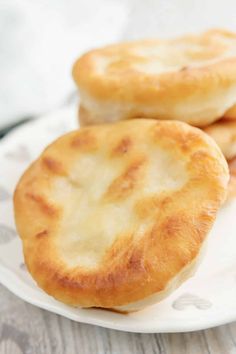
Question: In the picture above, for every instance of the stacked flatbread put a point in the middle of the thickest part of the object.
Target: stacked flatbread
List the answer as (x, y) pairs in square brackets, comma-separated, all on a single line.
[(117, 215), (191, 78)]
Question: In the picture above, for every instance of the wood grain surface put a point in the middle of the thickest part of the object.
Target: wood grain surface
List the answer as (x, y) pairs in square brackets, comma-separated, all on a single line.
[(26, 329)]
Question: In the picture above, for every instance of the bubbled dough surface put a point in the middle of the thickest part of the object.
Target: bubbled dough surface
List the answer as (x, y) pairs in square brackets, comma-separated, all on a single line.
[(91, 223), (156, 57)]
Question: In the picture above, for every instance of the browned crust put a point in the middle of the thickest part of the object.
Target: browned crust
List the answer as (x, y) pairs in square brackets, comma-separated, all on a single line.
[(232, 181), (224, 134), (180, 220), (231, 113), (189, 83), (174, 85)]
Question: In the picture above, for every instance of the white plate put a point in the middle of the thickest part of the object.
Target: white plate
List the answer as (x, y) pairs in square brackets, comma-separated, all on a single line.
[(206, 300)]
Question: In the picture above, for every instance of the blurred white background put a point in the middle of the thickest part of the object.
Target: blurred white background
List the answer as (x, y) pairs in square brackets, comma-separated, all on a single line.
[(39, 41)]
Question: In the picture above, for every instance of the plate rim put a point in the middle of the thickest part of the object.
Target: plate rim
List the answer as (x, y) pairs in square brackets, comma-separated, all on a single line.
[(189, 326)]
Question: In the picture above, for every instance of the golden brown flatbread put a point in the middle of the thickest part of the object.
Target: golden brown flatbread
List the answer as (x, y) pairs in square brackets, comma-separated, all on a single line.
[(115, 215)]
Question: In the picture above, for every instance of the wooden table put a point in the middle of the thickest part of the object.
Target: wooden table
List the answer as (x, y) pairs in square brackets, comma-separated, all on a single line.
[(25, 329)]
